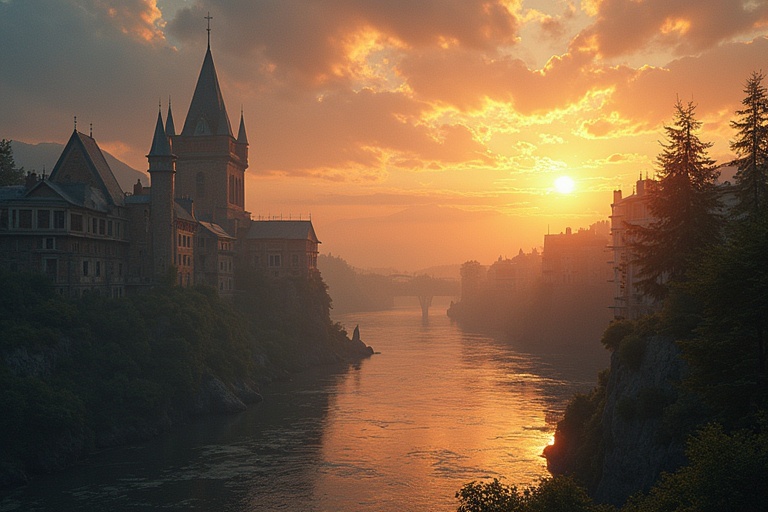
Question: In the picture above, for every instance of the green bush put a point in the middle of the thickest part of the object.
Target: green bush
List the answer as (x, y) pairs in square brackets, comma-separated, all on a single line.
[(616, 331)]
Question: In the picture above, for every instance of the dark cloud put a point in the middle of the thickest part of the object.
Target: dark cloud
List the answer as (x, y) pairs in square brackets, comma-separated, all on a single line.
[(624, 27)]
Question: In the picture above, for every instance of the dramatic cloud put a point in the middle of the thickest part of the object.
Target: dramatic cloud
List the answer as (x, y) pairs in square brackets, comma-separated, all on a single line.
[(361, 109)]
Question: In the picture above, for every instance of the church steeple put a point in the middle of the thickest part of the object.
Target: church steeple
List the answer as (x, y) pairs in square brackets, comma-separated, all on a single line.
[(207, 114), (242, 138)]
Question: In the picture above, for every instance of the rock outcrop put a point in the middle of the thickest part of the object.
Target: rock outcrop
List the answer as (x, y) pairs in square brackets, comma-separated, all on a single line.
[(637, 445)]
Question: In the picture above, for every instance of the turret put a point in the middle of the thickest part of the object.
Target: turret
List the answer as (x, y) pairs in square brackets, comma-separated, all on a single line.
[(162, 170)]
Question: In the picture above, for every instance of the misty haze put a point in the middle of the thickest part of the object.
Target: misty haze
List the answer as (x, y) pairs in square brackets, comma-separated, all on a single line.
[(484, 256)]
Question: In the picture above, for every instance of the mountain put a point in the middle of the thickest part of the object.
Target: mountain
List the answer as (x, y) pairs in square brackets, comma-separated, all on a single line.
[(43, 156)]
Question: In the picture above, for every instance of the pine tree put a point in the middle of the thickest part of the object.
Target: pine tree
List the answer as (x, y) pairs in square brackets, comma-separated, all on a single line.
[(684, 204), (751, 147), (9, 173)]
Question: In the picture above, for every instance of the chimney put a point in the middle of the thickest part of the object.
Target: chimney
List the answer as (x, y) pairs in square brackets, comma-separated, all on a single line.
[(568, 231), (640, 187), (616, 196), (31, 180), (138, 188)]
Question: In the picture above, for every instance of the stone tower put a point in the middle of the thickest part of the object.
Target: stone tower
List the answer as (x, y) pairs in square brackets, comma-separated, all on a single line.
[(211, 162), (162, 170)]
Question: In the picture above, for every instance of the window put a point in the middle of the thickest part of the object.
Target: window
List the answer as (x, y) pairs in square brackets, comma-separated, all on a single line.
[(3, 218), (102, 226), (49, 243), (85, 268), (25, 219), (200, 185), (109, 228), (274, 260), (43, 219), (58, 219), (295, 260), (98, 269), (75, 222)]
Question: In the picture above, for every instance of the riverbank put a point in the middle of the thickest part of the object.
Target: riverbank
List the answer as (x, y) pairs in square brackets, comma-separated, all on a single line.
[(81, 375)]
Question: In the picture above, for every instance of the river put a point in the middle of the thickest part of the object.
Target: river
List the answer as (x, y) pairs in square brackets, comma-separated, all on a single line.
[(435, 408)]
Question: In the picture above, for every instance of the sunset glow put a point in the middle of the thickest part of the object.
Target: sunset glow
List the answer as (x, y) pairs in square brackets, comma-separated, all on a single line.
[(414, 137)]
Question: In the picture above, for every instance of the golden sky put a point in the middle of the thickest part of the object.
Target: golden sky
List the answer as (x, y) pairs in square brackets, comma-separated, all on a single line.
[(415, 132)]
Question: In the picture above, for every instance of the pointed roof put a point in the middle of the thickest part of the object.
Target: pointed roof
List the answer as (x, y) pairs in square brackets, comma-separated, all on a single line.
[(242, 138), (207, 114), (82, 162), (170, 129), (160, 144)]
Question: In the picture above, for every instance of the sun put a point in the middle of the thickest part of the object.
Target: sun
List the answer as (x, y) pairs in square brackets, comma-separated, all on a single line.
[(565, 184)]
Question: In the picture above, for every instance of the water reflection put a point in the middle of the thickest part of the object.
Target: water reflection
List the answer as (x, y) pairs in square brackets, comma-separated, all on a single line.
[(404, 430)]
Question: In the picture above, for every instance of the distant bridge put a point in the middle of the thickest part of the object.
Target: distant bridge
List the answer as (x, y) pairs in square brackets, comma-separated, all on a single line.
[(425, 288)]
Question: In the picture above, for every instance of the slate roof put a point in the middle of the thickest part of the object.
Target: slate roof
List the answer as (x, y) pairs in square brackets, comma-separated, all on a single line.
[(282, 230), (216, 230), (160, 144), (101, 174), (207, 114), (78, 194)]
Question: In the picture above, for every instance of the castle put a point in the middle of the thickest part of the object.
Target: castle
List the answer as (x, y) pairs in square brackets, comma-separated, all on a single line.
[(78, 227)]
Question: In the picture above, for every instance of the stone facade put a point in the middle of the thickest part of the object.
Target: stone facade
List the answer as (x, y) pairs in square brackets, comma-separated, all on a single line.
[(81, 229)]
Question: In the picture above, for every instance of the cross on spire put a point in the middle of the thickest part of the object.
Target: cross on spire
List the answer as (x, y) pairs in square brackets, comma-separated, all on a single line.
[(209, 18)]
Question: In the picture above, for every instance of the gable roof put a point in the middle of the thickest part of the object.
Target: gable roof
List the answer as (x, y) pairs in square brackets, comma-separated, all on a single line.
[(282, 230), (207, 114), (82, 162)]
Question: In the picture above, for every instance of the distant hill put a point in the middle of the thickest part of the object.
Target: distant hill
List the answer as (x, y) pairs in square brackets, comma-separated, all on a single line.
[(36, 157)]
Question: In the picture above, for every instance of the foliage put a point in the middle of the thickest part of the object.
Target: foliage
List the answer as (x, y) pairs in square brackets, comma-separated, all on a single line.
[(684, 205), (488, 497), (726, 472), (558, 494), (81, 373), (578, 450), (9, 173), (751, 146), (616, 331), (728, 355)]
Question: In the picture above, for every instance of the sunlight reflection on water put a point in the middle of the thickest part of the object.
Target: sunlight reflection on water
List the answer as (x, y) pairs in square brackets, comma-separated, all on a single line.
[(404, 430)]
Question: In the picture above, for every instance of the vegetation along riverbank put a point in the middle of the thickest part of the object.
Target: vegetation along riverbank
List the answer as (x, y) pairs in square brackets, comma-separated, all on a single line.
[(81, 374)]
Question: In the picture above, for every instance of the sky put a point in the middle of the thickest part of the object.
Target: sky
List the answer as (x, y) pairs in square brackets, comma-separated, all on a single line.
[(414, 132)]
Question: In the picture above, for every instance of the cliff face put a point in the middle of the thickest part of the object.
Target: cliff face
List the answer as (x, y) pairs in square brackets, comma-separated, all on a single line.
[(638, 441)]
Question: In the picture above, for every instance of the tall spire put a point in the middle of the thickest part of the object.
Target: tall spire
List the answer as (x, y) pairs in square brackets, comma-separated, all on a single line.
[(170, 129), (207, 114), (242, 138)]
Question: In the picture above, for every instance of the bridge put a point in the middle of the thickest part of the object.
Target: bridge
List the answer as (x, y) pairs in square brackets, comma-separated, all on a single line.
[(424, 287)]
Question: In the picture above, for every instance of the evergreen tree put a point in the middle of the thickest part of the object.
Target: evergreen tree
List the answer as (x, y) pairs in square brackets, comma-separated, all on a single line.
[(9, 174), (751, 146), (684, 204)]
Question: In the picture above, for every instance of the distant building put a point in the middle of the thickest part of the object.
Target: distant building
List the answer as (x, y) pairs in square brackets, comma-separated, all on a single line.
[(78, 226), (628, 302), (515, 274), (634, 210), (281, 247), (577, 258)]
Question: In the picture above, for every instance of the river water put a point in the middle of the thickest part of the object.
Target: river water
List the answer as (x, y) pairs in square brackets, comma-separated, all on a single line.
[(437, 407)]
